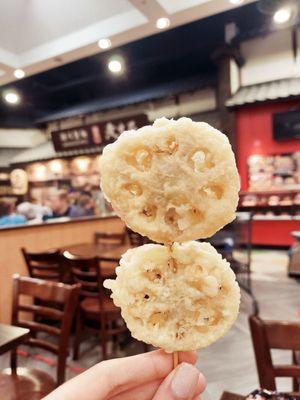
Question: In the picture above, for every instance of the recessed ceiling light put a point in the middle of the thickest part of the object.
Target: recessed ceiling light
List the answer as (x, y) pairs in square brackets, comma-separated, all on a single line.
[(162, 23), (104, 43), (236, 1), (19, 73), (115, 65), (282, 15), (12, 97)]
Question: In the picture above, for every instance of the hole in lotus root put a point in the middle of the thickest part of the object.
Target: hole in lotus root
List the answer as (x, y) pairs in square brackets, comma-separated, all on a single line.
[(140, 158), (215, 318), (215, 191), (201, 160), (133, 188), (197, 214), (193, 216), (194, 270), (181, 331), (202, 329), (170, 146), (149, 211), (172, 264), (158, 318), (196, 284), (153, 274), (176, 199), (171, 217)]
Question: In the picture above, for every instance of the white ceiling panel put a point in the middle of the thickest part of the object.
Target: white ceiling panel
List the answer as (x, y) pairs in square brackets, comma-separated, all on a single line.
[(26, 24), (37, 35), (83, 37), (173, 6)]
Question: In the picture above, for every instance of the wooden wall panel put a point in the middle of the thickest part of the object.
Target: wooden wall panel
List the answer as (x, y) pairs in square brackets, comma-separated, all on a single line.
[(39, 238)]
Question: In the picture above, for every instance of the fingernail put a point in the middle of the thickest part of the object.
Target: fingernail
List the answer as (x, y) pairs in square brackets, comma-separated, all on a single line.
[(184, 383)]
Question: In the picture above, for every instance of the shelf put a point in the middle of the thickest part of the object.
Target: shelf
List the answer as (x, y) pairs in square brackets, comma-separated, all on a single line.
[(273, 191), (266, 208), (273, 218), (50, 180)]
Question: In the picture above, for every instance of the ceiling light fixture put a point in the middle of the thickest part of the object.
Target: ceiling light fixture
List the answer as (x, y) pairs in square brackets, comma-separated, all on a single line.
[(104, 43), (19, 73), (115, 65), (162, 23), (236, 1), (12, 97), (282, 15)]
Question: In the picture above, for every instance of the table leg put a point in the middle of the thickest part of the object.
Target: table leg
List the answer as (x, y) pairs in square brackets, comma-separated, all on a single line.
[(13, 361)]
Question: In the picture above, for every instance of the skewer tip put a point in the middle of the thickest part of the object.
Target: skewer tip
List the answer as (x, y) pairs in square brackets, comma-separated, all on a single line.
[(175, 359)]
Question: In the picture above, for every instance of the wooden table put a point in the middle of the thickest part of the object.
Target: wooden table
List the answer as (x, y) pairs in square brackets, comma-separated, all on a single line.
[(11, 337), (107, 253)]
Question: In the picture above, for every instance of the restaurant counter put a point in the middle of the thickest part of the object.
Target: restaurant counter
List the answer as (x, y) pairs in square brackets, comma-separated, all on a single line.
[(40, 237)]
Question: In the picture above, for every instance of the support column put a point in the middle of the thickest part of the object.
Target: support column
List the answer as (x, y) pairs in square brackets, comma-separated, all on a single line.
[(228, 61)]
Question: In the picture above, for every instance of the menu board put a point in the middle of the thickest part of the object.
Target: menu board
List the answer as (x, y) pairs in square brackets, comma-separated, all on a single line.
[(96, 134), (274, 172)]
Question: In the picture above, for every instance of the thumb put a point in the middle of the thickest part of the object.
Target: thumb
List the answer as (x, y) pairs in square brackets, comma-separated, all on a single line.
[(184, 383)]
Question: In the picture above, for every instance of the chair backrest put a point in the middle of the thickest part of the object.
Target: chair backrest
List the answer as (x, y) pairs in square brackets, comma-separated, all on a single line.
[(267, 335), (135, 239), (231, 396), (108, 238), (87, 273), (52, 293), (44, 265)]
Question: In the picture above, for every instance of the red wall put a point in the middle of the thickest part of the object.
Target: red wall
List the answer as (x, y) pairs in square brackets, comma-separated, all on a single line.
[(254, 134)]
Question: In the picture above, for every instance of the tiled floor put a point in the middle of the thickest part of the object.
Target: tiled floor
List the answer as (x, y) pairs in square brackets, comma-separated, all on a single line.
[(229, 363)]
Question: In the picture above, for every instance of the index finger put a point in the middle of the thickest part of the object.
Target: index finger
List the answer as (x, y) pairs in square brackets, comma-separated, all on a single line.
[(143, 368)]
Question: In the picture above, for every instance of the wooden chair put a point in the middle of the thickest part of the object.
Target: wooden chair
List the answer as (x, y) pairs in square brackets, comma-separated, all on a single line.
[(44, 265), (135, 239), (231, 396), (108, 238), (95, 304), (24, 383), (267, 335)]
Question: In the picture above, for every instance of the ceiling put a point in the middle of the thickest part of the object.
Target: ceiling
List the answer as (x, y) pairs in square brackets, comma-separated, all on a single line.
[(157, 65), (40, 34)]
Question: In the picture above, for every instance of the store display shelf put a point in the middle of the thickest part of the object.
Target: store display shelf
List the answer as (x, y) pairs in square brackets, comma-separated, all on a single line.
[(270, 192), (258, 217), (51, 180), (266, 208)]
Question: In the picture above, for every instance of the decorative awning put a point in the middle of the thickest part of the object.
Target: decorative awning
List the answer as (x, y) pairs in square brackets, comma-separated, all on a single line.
[(7, 154), (269, 91), (45, 151)]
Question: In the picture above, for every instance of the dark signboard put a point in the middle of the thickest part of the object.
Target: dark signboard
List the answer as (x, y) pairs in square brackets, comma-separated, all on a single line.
[(286, 125), (97, 134)]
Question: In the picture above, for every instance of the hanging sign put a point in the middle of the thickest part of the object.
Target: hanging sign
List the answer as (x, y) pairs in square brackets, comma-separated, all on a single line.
[(97, 134)]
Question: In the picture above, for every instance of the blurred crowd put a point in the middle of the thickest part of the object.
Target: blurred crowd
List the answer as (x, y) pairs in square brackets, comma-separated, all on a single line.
[(57, 204)]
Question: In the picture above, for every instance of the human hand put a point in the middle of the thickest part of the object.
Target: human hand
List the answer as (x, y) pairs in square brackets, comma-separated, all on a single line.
[(148, 376)]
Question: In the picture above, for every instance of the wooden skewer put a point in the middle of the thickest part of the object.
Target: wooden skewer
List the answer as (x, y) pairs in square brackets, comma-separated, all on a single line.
[(175, 359)]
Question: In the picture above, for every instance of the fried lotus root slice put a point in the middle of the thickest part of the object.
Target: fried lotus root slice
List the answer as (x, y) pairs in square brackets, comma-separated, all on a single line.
[(182, 297), (173, 181)]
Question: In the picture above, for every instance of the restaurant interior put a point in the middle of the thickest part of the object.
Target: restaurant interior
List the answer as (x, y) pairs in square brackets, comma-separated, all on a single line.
[(74, 75)]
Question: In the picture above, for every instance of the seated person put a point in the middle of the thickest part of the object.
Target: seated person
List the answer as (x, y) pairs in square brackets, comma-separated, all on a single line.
[(8, 215), (60, 205), (33, 212), (87, 203)]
